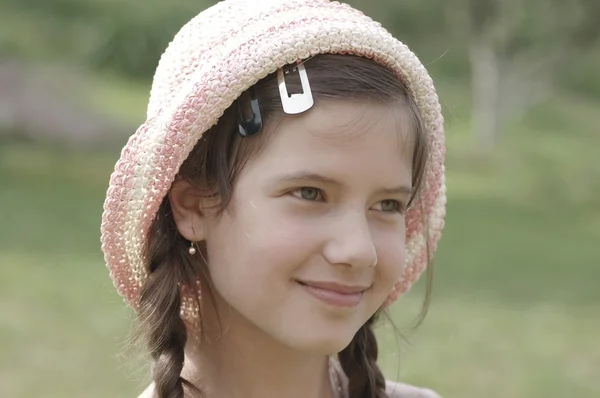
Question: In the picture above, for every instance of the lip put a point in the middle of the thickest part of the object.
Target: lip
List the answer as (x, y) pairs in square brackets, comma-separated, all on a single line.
[(335, 294)]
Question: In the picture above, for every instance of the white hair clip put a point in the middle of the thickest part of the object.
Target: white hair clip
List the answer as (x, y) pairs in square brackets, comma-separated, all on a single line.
[(294, 104)]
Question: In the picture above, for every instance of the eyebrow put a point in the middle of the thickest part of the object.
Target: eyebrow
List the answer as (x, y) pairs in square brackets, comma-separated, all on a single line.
[(310, 176)]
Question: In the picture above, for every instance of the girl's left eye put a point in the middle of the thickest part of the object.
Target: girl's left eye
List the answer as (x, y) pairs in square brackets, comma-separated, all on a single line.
[(390, 206), (308, 193)]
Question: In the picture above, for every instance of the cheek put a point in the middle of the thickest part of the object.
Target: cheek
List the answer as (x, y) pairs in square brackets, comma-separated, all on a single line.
[(256, 250), (391, 259), (277, 244)]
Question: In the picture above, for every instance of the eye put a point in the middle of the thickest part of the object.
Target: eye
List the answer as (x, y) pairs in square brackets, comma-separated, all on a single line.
[(390, 206), (307, 193)]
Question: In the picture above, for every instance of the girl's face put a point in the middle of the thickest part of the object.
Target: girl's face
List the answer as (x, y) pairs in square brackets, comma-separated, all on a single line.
[(314, 240)]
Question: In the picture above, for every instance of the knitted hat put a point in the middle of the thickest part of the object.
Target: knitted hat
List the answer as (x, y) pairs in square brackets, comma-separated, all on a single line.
[(211, 61)]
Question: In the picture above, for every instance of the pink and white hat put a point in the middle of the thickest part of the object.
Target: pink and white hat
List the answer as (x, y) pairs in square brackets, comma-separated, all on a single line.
[(211, 61)]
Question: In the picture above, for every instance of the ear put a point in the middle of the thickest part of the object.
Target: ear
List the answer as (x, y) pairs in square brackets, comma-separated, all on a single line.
[(187, 204)]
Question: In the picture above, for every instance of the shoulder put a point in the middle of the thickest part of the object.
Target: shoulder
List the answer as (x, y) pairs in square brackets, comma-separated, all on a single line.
[(401, 390), (148, 392), (393, 389)]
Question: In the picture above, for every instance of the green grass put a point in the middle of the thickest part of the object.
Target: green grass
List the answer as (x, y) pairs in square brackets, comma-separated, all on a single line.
[(516, 301), (63, 329)]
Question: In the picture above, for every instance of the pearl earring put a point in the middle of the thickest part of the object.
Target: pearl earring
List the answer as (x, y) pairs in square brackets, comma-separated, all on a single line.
[(192, 249)]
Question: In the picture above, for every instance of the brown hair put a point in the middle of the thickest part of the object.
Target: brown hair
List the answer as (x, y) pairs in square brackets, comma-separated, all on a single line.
[(213, 167)]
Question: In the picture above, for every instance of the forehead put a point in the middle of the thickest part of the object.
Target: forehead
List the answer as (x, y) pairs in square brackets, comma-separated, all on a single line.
[(334, 131)]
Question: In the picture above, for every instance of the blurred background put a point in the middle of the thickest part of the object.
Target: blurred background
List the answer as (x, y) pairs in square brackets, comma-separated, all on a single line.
[(516, 298)]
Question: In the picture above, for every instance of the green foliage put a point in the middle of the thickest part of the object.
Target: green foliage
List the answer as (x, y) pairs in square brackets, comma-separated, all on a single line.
[(583, 74), (135, 38), (126, 36), (410, 20)]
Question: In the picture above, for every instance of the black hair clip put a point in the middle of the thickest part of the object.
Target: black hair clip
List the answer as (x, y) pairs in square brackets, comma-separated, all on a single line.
[(253, 124)]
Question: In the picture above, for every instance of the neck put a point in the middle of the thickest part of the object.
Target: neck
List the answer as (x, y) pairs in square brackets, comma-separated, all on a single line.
[(243, 361)]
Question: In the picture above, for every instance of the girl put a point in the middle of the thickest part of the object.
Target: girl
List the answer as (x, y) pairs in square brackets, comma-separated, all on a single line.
[(286, 187)]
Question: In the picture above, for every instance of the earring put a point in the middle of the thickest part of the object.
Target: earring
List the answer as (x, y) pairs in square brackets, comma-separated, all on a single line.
[(192, 249)]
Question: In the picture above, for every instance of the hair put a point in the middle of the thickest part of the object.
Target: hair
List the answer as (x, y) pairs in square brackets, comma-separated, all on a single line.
[(213, 167)]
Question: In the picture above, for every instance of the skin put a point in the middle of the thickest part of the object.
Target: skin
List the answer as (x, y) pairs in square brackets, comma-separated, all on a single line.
[(346, 226)]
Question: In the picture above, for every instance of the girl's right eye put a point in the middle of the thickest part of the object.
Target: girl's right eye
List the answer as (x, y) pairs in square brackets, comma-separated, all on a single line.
[(308, 193)]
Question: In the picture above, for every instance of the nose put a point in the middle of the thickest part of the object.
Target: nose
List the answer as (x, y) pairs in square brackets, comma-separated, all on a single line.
[(350, 241)]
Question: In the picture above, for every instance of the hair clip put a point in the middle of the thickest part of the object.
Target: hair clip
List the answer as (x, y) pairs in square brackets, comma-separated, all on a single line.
[(294, 104), (252, 125)]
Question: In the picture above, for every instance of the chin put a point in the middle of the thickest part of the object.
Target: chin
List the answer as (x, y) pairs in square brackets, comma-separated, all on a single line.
[(322, 342), (324, 333)]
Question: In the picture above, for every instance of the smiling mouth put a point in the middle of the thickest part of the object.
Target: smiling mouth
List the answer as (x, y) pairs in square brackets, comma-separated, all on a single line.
[(335, 294)]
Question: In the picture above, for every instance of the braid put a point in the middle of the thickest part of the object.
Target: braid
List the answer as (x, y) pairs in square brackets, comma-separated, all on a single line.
[(166, 339), (359, 362), (160, 304)]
